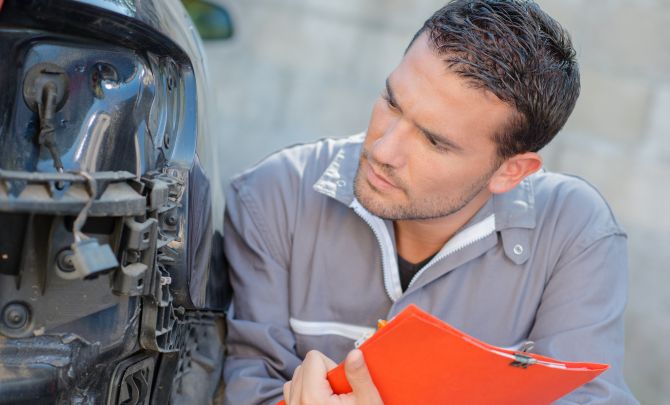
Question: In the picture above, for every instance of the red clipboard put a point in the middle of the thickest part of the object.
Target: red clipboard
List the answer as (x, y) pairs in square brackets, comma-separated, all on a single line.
[(419, 359)]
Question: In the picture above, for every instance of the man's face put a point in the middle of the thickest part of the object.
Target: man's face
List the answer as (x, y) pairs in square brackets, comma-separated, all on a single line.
[(429, 149)]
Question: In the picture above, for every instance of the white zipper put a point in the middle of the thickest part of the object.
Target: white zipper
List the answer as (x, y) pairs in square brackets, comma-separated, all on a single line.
[(459, 241), (464, 238), (352, 332), (389, 263)]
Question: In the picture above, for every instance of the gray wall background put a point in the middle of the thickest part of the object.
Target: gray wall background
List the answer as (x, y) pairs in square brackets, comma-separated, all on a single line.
[(299, 70)]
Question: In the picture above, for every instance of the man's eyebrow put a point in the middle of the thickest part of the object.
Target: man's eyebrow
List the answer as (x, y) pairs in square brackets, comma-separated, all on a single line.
[(429, 134)]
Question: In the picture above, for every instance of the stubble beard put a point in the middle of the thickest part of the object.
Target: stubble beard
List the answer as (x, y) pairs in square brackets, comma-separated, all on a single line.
[(429, 207)]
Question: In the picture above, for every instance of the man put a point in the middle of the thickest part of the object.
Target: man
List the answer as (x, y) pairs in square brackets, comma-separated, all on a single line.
[(442, 204)]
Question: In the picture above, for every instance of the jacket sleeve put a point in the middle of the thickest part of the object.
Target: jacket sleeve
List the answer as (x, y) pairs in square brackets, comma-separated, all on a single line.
[(261, 352), (580, 317)]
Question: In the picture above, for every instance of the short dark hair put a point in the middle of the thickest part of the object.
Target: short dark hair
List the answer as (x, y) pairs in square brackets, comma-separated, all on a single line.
[(519, 53)]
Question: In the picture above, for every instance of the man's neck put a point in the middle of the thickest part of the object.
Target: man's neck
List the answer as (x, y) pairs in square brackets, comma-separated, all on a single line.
[(419, 239)]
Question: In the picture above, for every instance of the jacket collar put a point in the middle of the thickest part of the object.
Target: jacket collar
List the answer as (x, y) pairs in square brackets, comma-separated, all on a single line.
[(516, 208), (337, 181), (515, 218), (514, 211)]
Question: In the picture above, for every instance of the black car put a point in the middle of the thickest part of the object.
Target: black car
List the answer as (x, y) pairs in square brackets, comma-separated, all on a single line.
[(111, 286)]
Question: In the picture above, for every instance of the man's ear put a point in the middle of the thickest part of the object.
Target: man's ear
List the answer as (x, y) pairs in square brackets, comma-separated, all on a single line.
[(513, 170)]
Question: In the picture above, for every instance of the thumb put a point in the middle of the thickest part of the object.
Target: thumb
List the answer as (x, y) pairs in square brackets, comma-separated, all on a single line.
[(359, 378)]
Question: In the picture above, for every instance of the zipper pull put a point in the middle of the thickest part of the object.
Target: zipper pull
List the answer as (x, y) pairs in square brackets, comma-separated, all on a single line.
[(380, 324)]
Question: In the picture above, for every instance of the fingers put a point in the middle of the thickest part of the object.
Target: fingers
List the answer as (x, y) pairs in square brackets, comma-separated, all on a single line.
[(359, 378), (330, 364), (314, 376), (295, 388), (287, 392), (309, 384)]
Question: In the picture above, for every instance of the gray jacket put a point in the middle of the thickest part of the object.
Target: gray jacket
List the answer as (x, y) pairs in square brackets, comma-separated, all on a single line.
[(312, 269)]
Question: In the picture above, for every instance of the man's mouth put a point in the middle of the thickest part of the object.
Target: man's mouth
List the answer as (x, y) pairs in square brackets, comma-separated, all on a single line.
[(378, 180)]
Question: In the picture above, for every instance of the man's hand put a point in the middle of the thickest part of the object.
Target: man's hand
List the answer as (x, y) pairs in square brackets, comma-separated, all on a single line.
[(310, 386)]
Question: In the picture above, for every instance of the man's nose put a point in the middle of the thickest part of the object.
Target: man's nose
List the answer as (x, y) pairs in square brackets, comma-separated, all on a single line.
[(393, 146)]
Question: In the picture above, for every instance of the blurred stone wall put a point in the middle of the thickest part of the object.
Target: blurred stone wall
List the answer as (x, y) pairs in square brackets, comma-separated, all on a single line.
[(299, 70)]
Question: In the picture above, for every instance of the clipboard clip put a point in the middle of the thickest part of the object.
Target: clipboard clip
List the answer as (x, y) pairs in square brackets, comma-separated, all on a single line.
[(527, 346), (522, 361)]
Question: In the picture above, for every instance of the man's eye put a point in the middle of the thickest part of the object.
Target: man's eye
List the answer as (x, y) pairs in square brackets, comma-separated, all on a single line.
[(389, 102), (436, 145)]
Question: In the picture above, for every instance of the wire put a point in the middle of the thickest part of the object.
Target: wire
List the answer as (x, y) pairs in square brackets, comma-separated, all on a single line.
[(47, 111), (92, 188)]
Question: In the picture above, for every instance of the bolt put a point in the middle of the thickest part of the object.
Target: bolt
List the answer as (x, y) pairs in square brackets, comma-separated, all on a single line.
[(171, 220), (15, 315), (105, 72), (64, 260), (133, 256)]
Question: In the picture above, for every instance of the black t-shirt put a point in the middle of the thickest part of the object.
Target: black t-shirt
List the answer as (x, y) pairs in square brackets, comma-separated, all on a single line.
[(407, 270)]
